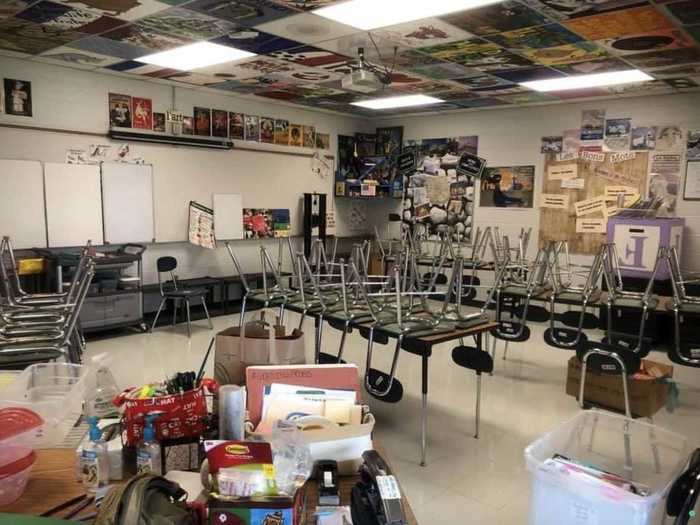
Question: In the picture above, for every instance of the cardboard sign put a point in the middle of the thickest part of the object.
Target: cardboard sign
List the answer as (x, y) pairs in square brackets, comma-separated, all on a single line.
[(589, 206), (573, 184), (563, 172), (471, 165), (593, 156), (557, 201), (591, 225), (406, 163), (622, 156)]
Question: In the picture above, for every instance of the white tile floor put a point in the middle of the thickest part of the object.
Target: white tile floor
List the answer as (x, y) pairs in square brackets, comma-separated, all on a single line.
[(466, 480)]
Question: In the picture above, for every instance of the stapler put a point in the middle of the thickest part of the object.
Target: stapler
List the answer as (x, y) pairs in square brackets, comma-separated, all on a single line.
[(376, 499)]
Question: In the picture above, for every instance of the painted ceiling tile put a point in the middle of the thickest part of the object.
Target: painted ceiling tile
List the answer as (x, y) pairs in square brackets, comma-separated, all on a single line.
[(194, 79), (682, 83), (188, 24), (24, 36), (11, 7), (660, 59), (688, 70), (246, 13), (484, 81), (146, 38), (528, 97), (135, 67), (579, 93), (306, 5), (536, 37), (528, 75), (310, 56), (694, 32), (498, 91), (122, 9), (64, 18), (412, 58), (228, 71), (568, 54), (317, 90), (74, 58), (423, 33), (235, 87), (653, 41), (633, 21), (564, 9), (109, 47), (279, 94), (594, 66), (348, 45), (687, 11), (496, 18), (255, 41), (456, 96), (642, 88), (484, 102), (427, 87), (307, 28), (301, 74), (444, 71)]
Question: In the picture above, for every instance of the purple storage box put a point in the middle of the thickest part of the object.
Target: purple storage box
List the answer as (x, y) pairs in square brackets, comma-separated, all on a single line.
[(638, 241)]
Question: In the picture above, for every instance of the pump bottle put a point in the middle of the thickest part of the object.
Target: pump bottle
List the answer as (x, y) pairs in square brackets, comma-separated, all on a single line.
[(94, 461), (148, 454)]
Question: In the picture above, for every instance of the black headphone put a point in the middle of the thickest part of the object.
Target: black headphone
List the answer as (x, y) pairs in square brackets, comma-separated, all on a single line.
[(684, 492)]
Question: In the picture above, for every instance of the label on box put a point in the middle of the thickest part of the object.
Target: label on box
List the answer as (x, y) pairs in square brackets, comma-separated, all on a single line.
[(388, 487)]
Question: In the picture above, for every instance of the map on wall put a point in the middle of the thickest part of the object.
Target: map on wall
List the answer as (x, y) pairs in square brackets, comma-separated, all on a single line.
[(436, 195)]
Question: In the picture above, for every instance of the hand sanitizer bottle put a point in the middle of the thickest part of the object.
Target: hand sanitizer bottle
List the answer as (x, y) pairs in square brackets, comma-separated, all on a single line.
[(148, 457), (94, 462)]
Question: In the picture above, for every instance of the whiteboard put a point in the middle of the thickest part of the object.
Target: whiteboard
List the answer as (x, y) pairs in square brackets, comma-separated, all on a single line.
[(73, 204), (127, 202), (228, 216), (22, 211)]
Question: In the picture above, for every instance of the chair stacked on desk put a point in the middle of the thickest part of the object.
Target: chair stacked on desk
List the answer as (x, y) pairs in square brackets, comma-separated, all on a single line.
[(41, 327)]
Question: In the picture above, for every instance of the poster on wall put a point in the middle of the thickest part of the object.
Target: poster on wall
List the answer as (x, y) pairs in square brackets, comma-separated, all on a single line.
[(643, 139), (187, 125), (670, 138), (265, 223), (552, 144), (201, 226), (617, 134), (282, 132), (119, 110), (389, 140), (202, 121), (592, 124), (693, 145), (236, 126), (296, 137), (267, 130), (691, 191), (142, 113), (508, 187), (219, 123), (323, 141), (309, 140), (159, 122), (18, 97), (252, 128)]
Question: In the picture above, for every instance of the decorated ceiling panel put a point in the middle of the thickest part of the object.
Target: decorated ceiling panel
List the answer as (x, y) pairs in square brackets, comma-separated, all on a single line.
[(470, 59)]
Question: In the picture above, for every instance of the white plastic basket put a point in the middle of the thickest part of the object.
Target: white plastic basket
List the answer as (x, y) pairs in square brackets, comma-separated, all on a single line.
[(55, 391), (604, 440)]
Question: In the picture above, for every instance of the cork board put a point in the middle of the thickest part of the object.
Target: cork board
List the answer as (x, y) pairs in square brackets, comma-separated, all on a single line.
[(559, 223)]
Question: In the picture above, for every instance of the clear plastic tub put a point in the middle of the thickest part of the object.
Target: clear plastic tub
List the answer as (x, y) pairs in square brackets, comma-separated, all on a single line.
[(19, 431), (14, 480), (647, 455), (55, 391)]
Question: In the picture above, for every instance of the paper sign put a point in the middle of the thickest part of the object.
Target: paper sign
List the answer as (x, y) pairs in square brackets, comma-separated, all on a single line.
[(557, 201), (406, 163), (589, 206), (593, 156), (611, 192), (622, 156), (471, 165), (573, 184), (666, 163), (564, 171), (76, 156), (591, 225), (567, 155)]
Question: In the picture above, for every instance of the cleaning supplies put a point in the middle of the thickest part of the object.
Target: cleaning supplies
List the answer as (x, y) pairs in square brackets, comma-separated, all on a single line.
[(148, 455), (94, 461)]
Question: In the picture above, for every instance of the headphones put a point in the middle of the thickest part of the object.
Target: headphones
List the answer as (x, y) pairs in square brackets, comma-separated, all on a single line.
[(684, 492)]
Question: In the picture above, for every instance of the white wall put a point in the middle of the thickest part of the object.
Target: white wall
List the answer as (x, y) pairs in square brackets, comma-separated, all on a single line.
[(69, 99), (512, 137)]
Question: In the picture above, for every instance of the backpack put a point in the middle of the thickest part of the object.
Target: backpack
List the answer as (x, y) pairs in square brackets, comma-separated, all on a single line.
[(146, 500)]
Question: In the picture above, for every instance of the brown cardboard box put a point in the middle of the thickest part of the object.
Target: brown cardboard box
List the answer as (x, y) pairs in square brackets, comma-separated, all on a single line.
[(375, 265), (647, 396)]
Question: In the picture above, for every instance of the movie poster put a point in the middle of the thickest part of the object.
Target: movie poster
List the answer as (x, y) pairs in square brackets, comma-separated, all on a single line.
[(119, 110), (219, 123), (592, 124), (508, 187), (389, 140), (267, 130), (323, 141), (202, 121), (282, 132), (236, 123), (309, 133), (296, 137), (142, 113), (159, 122), (187, 126), (18, 97), (252, 128)]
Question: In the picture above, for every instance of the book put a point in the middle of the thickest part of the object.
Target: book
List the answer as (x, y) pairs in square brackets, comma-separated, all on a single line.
[(340, 377)]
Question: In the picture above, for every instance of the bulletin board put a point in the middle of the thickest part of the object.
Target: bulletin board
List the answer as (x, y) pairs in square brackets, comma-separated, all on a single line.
[(595, 173)]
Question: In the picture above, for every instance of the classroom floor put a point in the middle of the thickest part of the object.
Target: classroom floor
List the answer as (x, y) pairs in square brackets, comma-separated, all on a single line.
[(466, 480)]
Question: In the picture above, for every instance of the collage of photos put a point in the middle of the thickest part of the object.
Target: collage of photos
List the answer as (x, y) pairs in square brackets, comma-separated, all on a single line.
[(266, 223)]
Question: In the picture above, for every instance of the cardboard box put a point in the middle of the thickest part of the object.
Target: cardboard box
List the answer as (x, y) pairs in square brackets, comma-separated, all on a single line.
[(647, 393)]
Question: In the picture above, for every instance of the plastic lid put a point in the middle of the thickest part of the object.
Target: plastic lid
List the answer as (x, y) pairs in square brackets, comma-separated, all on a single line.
[(15, 421), (18, 466)]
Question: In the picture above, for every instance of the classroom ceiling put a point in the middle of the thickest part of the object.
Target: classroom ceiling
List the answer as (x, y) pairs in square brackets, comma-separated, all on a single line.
[(471, 59)]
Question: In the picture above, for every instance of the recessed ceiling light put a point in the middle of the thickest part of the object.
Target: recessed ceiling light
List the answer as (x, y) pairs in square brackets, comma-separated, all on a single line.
[(371, 14), (588, 81), (195, 56), (397, 102)]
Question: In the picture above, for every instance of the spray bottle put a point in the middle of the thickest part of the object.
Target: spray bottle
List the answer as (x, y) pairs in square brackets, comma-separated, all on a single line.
[(94, 461), (148, 455)]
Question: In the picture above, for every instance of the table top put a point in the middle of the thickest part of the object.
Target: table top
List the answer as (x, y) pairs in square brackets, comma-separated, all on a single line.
[(53, 482)]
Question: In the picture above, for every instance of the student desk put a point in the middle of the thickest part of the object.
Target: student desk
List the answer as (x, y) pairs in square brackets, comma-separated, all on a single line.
[(52, 482)]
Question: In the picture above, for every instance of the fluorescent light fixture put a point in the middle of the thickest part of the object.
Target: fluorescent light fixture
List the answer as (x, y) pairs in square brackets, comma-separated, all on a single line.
[(588, 81), (194, 56), (397, 102), (371, 14)]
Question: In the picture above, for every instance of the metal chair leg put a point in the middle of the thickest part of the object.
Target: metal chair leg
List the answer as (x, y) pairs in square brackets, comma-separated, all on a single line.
[(478, 404), (206, 311), (176, 305), (505, 351), (242, 316), (189, 323), (160, 307)]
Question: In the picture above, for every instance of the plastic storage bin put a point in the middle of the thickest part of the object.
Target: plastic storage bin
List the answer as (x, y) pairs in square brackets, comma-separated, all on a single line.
[(55, 391), (19, 431), (14, 478), (600, 439)]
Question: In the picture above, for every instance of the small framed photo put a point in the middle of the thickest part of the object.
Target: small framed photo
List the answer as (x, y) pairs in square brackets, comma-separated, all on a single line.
[(18, 97), (202, 121), (119, 110), (159, 122), (219, 123)]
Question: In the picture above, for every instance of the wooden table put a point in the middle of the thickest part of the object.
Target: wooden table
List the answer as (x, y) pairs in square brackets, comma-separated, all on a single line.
[(52, 482)]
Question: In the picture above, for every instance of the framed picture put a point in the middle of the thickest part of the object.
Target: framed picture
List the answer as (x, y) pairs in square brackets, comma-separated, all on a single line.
[(142, 113), (219, 123), (295, 135), (159, 122), (187, 126), (236, 126), (691, 189), (389, 140), (252, 128), (119, 110), (323, 141), (267, 130), (18, 97), (309, 133), (282, 132), (508, 187), (202, 121)]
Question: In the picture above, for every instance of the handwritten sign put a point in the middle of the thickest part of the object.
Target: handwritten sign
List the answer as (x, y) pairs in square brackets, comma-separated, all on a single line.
[(590, 206), (562, 172), (591, 225), (573, 184), (593, 156), (557, 201), (471, 165), (622, 156)]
